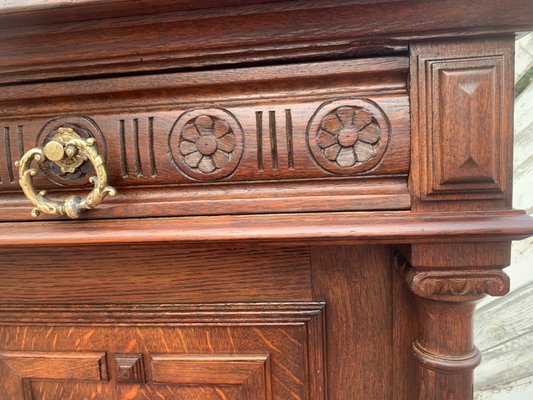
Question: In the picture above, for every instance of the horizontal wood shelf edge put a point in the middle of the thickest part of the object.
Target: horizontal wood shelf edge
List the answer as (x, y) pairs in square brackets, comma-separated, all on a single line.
[(399, 227)]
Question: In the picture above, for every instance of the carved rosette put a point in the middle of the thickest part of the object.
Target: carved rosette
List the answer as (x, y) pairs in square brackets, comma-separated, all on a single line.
[(76, 173), (348, 136), (206, 144)]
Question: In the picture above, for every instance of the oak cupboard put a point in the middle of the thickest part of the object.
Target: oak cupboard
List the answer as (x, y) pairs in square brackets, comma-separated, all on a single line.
[(253, 199)]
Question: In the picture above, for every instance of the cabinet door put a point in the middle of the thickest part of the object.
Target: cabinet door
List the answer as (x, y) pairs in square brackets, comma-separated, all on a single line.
[(202, 352)]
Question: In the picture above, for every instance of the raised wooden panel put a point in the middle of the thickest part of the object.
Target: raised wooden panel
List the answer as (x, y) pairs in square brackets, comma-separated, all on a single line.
[(19, 369), (462, 121), (466, 147), (259, 351), (250, 140)]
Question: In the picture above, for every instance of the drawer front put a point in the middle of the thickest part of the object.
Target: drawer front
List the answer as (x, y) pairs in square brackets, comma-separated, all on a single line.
[(308, 137), (220, 351)]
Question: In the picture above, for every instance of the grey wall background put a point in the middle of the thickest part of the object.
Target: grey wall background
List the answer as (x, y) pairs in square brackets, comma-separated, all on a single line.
[(504, 326)]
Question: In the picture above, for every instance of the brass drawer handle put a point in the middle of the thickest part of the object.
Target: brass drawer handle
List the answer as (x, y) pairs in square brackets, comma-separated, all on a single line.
[(68, 150)]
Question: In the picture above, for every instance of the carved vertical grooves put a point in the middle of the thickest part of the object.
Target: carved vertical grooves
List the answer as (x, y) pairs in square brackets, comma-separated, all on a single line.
[(290, 145), (123, 154), (259, 133), (20, 138), (273, 137), (9, 162), (153, 167), (137, 155)]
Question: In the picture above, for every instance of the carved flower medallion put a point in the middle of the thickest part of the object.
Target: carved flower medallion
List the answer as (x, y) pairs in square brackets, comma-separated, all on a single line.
[(348, 136), (206, 144)]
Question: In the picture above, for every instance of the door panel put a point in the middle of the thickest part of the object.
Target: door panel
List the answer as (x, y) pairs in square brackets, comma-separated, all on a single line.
[(221, 351)]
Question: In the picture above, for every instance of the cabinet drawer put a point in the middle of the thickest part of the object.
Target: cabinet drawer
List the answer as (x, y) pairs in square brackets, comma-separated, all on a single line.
[(306, 137), (241, 351)]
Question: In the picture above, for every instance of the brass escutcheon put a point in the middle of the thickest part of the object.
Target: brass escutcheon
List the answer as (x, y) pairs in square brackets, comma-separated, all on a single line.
[(68, 150)]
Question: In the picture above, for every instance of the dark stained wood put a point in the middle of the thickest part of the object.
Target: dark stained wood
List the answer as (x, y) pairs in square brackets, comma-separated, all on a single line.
[(155, 274), (312, 197), (355, 282), (266, 31), (152, 155), (405, 330), (399, 227), (445, 299), (462, 123)]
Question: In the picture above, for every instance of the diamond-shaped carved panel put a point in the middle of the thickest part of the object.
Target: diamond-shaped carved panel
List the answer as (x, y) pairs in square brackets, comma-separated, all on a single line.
[(467, 149)]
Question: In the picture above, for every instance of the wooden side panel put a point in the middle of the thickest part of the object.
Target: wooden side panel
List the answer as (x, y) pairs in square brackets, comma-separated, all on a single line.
[(154, 274), (355, 282), (462, 123), (219, 351)]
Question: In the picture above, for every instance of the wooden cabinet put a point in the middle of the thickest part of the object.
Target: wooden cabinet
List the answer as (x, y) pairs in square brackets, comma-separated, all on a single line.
[(256, 200)]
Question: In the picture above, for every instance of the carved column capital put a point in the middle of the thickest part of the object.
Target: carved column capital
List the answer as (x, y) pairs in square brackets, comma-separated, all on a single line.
[(458, 285), (446, 299)]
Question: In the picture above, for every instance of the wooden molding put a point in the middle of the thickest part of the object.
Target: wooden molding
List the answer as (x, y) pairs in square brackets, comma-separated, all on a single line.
[(219, 33), (213, 314), (397, 228)]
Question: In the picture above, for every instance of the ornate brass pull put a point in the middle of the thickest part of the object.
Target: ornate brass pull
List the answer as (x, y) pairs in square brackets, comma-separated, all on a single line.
[(68, 150)]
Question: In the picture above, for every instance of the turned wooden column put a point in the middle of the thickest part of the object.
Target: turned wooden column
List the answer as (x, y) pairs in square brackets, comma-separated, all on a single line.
[(446, 298), (461, 94)]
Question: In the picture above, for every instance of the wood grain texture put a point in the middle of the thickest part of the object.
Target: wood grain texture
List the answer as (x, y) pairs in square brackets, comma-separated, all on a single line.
[(296, 229), (192, 143), (356, 284), (289, 146), (405, 330), (446, 297), (154, 274), (243, 354), (462, 123), (18, 370), (240, 32)]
